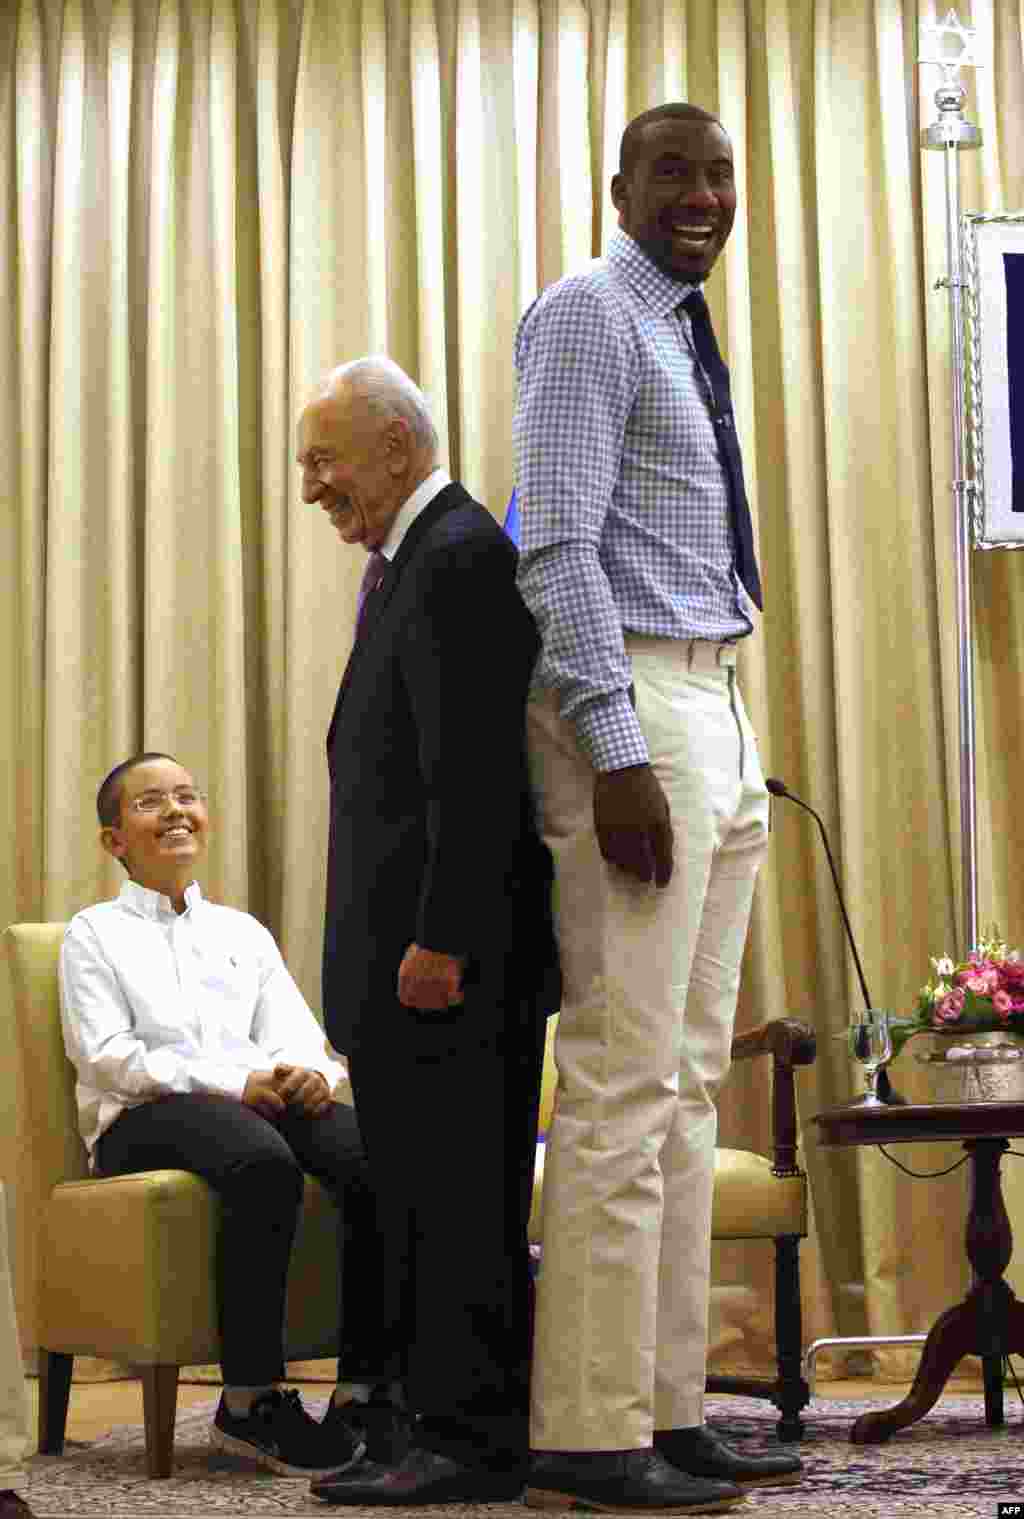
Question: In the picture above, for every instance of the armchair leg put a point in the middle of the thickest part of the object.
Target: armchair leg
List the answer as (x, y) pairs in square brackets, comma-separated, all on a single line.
[(54, 1391), (159, 1403), (793, 1394)]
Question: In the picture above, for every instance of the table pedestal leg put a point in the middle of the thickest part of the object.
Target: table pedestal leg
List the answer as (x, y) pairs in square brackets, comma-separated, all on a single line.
[(992, 1371), (988, 1323)]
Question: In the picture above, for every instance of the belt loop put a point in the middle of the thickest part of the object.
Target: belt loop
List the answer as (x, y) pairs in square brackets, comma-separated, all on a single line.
[(689, 653)]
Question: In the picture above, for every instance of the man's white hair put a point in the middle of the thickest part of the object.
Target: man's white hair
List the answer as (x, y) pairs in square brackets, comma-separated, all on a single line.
[(386, 390)]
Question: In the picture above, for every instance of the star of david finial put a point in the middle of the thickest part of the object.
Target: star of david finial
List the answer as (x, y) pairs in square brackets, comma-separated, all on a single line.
[(949, 45)]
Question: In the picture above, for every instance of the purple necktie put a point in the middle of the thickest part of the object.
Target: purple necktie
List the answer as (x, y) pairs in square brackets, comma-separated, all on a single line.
[(376, 564)]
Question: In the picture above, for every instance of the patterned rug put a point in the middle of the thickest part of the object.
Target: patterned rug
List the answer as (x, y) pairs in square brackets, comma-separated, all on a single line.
[(948, 1464)]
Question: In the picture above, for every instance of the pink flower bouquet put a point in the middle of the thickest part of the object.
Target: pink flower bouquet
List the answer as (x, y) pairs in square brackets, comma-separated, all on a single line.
[(982, 994)]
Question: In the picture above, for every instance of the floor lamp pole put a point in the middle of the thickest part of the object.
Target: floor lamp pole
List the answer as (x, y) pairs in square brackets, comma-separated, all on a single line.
[(951, 135)]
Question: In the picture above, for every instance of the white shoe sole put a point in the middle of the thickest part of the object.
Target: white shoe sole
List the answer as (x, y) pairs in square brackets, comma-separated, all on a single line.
[(233, 1446)]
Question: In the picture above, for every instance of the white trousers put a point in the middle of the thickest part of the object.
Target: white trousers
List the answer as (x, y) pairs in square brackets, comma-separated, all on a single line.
[(650, 984), (14, 1431)]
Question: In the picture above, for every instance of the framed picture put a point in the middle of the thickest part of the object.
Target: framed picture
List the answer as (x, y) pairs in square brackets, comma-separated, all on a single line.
[(993, 262)]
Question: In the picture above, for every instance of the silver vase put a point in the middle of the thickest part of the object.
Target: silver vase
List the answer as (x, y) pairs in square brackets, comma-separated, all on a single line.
[(974, 1067)]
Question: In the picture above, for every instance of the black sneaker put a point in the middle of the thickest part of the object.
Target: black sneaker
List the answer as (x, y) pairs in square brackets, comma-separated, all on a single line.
[(384, 1427), (279, 1434)]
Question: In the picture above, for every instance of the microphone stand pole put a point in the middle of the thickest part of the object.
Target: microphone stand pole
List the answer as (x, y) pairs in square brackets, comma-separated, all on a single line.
[(952, 134)]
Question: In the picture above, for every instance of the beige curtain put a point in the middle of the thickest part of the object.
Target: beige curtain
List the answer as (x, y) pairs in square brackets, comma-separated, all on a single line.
[(209, 202)]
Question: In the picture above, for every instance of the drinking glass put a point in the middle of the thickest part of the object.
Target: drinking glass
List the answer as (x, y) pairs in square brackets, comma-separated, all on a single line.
[(871, 1044)]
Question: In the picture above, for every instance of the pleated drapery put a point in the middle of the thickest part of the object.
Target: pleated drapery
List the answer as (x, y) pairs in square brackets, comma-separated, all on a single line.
[(208, 203)]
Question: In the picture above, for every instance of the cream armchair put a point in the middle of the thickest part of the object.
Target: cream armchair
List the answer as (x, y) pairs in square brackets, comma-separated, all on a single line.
[(755, 1198), (126, 1265)]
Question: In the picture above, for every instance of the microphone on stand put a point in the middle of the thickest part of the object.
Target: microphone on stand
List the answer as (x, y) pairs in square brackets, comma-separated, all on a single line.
[(779, 788)]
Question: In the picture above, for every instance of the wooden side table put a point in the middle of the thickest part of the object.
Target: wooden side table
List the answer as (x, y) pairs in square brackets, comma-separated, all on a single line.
[(989, 1322)]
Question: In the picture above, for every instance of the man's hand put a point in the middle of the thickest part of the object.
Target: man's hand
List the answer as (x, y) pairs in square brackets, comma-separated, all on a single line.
[(261, 1095), (429, 981), (634, 827), (299, 1088)]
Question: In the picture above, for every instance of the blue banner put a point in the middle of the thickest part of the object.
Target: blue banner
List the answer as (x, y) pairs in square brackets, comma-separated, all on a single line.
[(511, 523)]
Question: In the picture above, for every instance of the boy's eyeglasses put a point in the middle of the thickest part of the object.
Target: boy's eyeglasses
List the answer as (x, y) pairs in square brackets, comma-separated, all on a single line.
[(155, 801)]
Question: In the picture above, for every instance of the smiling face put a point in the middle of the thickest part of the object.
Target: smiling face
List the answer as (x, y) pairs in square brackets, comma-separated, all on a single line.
[(158, 848), (355, 464), (678, 198)]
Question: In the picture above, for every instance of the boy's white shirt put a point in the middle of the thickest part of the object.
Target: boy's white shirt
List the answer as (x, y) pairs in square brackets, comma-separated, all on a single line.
[(155, 1002)]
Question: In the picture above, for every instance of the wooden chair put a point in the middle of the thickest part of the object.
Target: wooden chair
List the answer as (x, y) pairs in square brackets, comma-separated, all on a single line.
[(755, 1198), (126, 1265)]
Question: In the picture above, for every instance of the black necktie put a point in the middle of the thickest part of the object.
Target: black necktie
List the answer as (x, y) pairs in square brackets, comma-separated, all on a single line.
[(713, 365)]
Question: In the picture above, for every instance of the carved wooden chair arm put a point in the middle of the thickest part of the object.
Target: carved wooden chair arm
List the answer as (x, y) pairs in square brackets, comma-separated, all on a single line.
[(789, 1043)]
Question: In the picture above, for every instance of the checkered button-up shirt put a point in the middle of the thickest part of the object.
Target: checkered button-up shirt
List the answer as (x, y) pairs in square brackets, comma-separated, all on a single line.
[(622, 496)]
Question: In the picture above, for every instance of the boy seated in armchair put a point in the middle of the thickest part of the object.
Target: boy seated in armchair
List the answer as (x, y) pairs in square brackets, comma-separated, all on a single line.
[(196, 1051)]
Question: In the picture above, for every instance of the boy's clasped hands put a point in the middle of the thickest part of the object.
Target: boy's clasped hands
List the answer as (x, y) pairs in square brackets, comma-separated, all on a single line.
[(269, 1093)]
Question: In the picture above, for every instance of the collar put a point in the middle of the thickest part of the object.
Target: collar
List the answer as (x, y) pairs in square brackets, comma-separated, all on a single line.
[(410, 509), (654, 287), (153, 904)]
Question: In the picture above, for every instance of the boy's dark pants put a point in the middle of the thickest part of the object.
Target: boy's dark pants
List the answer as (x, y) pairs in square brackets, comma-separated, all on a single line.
[(256, 1167)]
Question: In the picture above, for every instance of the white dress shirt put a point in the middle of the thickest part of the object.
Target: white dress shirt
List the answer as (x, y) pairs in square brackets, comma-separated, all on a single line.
[(409, 510), (155, 1002)]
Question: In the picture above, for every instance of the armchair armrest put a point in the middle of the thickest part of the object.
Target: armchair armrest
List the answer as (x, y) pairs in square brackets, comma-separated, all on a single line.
[(789, 1043)]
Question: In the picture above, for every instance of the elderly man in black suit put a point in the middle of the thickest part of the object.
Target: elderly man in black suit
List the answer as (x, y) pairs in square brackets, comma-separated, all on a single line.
[(439, 958)]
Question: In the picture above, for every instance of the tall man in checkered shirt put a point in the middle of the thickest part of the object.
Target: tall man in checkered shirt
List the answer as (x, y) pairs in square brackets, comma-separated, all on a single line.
[(637, 563)]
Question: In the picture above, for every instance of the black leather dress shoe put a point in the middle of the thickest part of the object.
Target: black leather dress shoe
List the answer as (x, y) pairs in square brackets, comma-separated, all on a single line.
[(381, 1425), (422, 1476), (621, 1482), (702, 1454), (13, 1505)]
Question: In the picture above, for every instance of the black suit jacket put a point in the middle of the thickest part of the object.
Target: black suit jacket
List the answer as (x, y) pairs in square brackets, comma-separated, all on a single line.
[(432, 835)]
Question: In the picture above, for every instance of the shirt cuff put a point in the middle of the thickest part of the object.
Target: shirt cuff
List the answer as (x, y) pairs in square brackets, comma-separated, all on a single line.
[(609, 733), (334, 1073), (229, 1081)]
